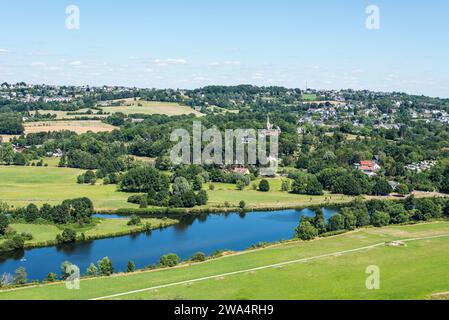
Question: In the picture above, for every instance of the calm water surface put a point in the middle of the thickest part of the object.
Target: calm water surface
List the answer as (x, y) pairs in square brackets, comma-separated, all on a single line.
[(205, 233)]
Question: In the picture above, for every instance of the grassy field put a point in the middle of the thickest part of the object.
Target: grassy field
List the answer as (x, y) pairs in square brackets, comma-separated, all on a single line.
[(149, 107), (417, 270), (23, 185), (75, 126), (309, 97), (101, 227), (273, 199)]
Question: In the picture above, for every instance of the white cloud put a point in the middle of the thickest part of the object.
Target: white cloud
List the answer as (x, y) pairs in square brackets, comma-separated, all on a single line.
[(3, 51), (38, 64), (225, 63), (168, 62), (75, 63)]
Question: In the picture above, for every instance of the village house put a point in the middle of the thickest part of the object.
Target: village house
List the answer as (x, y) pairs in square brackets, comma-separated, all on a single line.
[(421, 166), (368, 167), (241, 170), (55, 154)]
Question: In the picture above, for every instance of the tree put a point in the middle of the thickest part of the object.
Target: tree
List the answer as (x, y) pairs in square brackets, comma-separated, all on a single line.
[(19, 159), (67, 236), (427, 209), (402, 189), (181, 186), (169, 260), (380, 219), (189, 199), (285, 186), (410, 203), (306, 231), (336, 223), (319, 222), (92, 270), (89, 177), (264, 186), (130, 267), (144, 179), (202, 198), (4, 223), (382, 188), (314, 187), (31, 213), (105, 266), (7, 154)]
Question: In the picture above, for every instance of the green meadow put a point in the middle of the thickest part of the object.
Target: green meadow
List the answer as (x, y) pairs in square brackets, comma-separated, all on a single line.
[(273, 199), (20, 186), (416, 270)]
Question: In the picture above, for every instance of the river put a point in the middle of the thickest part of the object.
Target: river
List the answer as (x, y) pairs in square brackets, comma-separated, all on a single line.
[(205, 233)]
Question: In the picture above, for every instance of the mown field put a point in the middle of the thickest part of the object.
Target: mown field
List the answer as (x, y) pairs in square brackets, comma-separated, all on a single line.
[(417, 270), (149, 107), (23, 185), (81, 126)]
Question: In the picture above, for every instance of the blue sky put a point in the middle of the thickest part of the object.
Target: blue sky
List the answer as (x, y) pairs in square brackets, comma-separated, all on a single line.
[(192, 43)]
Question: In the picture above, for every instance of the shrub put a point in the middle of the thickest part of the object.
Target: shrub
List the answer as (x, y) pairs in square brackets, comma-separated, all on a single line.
[(131, 267), (198, 257), (67, 236), (26, 236), (242, 204), (105, 266), (134, 221), (51, 277), (169, 260), (92, 270), (202, 198), (264, 186), (306, 231)]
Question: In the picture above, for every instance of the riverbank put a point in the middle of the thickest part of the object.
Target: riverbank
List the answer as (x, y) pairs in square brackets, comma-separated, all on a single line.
[(45, 235), (301, 270)]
